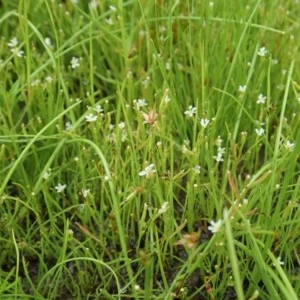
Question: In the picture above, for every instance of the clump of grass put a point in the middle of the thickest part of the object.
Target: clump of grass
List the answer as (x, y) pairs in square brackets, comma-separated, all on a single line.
[(149, 150)]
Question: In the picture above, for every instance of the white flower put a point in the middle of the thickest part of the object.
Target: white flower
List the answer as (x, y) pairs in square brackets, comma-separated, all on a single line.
[(197, 169), (148, 171), (48, 41), (164, 207), (91, 118), (262, 52), (259, 131), (46, 175), (75, 62), (168, 65), (290, 146), (68, 126), (242, 88), (191, 111), (121, 125), (184, 149), (109, 21), (280, 261), (98, 108), (49, 79), (13, 43), (204, 122), (35, 82), (60, 187), (221, 150), (140, 103), (166, 99), (70, 232), (214, 226), (219, 157), (85, 192), (93, 4), (219, 141), (146, 81), (261, 99), (17, 52)]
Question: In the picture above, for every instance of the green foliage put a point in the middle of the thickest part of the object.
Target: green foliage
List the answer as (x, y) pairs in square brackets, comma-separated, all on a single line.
[(149, 149)]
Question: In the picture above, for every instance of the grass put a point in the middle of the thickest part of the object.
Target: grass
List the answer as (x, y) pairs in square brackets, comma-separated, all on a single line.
[(135, 161)]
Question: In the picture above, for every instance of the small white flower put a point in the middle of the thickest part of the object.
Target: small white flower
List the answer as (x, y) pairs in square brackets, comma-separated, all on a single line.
[(109, 21), (36, 82), (191, 111), (146, 81), (70, 232), (46, 175), (184, 149), (85, 192), (98, 108), (242, 88), (164, 207), (124, 136), (168, 65), (68, 126), (60, 187), (221, 150), (75, 62), (281, 263), (49, 79), (197, 169), (91, 118), (219, 157), (13, 43), (214, 226), (290, 146), (121, 125), (261, 99), (140, 103), (148, 171), (259, 131), (262, 52), (166, 99), (48, 42), (93, 4), (112, 8), (204, 122), (19, 53), (219, 141)]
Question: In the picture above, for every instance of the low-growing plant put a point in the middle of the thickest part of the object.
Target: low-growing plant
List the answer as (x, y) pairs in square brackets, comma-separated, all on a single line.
[(149, 149)]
